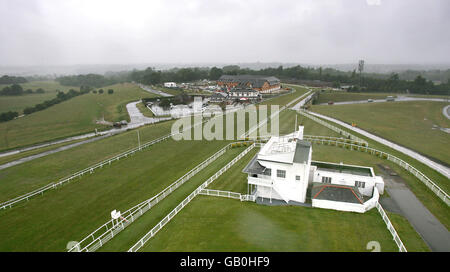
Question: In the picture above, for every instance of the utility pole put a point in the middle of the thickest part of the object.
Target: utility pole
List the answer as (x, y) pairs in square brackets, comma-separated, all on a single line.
[(360, 69), (139, 140)]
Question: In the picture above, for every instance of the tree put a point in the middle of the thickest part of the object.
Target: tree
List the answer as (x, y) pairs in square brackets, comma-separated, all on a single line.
[(110, 91), (40, 90), (215, 73), (100, 91)]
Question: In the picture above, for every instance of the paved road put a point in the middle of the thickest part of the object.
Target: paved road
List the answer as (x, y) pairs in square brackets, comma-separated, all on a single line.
[(446, 111), (150, 90), (403, 201), (137, 120), (398, 99), (436, 166)]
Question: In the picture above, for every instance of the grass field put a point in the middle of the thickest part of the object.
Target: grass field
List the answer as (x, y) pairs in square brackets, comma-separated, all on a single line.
[(325, 97), (124, 240), (76, 209), (144, 110), (210, 224), (231, 225), (19, 103), (72, 117), (22, 178), (406, 123)]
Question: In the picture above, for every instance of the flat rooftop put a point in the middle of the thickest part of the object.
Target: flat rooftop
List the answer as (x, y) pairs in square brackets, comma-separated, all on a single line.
[(343, 168)]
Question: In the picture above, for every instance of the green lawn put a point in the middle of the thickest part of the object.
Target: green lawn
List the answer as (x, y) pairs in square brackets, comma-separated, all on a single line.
[(325, 97), (219, 224), (48, 222), (19, 102), (22, 178), (127, 238), (406, 123), (72, 117), (144, 110)]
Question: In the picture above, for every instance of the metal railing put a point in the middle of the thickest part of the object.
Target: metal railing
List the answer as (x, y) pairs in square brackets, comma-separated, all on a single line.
[(390, 227), (103, 234), (188, 199)]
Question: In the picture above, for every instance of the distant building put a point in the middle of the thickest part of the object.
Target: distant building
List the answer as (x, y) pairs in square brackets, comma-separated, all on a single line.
[(218, 97), (263, 84), (170, 84), (244, 94), (283, 171)]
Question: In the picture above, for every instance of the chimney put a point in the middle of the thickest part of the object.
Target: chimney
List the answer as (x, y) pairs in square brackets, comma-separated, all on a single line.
[(300, 133)]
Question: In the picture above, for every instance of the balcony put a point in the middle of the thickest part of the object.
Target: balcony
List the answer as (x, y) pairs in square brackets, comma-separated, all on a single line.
[(260, 181)]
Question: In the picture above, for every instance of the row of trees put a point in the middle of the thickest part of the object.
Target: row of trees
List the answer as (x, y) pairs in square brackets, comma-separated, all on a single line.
[(60, 97), (92, 80), (6, 116), (12, 79), (16, 89)]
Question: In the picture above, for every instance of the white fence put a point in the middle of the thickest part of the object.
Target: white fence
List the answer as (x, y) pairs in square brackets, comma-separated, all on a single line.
[(79, 174), (334, 128), (390, 227), (227, 194), (188, 199), (103, 234), (263, 122), (411, 169)]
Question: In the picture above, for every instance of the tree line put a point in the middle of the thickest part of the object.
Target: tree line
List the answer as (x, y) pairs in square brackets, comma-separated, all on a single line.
[(92, 80), (12, 79), (60, 97), (17, 89)]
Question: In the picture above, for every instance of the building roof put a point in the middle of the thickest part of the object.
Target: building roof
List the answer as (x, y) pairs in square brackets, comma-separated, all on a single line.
[(302, 150), (343, 168), (341, 193), (254, 167), (285, 150), (256, 81)]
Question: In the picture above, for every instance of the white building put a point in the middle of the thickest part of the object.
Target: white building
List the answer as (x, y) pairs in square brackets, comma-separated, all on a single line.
[(170, 84), (283, 171)]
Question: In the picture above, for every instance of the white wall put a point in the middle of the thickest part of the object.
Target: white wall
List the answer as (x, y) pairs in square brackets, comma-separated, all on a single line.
[(349, 180)]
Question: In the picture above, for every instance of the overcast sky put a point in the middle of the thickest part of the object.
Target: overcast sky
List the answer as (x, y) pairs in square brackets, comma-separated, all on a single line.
[(66, 32)]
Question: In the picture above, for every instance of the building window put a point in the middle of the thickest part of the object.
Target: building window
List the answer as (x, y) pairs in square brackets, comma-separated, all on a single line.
[(297, 178), (268, 172), (326, 179), (281, 174), (360, 184)]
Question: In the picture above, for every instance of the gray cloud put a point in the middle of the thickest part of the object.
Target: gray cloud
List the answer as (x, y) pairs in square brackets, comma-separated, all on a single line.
[(45, 32)]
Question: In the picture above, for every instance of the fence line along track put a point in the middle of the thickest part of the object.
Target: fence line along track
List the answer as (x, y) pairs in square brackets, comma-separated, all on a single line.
[(90, 170), (104, 233), (188, 199), (384, 155), (330, 126)]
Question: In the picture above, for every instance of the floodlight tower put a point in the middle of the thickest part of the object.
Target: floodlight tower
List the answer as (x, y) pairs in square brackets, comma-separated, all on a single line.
[(360, 69)]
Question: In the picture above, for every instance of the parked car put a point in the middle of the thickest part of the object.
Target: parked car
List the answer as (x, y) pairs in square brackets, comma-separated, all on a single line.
[(369, 100), (330, 102)]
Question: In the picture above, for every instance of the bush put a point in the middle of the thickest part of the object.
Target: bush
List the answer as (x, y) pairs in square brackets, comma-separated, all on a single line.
[(100, 91), (6, 116), (110, 91)]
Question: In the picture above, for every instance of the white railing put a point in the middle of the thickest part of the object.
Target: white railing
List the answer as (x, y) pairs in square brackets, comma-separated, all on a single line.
[(227, 194), (188, 199), (260, 181), (390, 227), (90, 170), (411, 169), (101, 235), (263, 122), (334, 128)]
